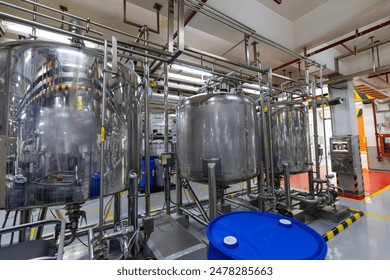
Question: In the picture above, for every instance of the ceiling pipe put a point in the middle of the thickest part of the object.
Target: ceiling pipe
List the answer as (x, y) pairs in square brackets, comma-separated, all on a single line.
[(342, 41), (188, 18)]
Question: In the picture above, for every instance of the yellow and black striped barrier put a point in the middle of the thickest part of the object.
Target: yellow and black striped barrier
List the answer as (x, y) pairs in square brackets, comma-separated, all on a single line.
[(342, 226)]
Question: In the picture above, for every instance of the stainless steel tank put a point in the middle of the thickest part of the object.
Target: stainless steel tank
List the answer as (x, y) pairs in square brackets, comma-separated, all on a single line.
[(218, 127), (50, 118), (290, 137)]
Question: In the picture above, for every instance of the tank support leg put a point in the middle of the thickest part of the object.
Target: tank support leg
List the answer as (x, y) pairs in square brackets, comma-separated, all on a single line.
[(212, 191), (287, 185)]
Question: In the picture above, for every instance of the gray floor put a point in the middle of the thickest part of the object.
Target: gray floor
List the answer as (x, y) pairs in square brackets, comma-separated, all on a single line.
[(366, 239)]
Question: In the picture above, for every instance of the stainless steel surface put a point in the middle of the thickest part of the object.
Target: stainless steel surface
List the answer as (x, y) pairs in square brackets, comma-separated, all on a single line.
[(342, 155), (212, 190), (218, 126), (289, 136), (53, 94), (146, 126)]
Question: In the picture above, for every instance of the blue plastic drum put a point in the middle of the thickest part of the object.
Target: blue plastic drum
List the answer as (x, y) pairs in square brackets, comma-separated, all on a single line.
[(262, 236)]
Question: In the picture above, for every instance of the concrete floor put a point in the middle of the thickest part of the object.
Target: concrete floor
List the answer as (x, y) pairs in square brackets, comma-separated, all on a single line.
[(366, 239)]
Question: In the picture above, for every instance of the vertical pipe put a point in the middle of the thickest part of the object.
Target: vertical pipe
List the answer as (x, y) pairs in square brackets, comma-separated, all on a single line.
[(378, 153), (212, 191), (90, 245), (117, 208), (269, 130), (179, 192), (146, 127), (133, 215), (166, 142), (323, 123), (102, 136), (373, 55), (311, 182), (34, 29), (377, 56), (25, 218), (247, 61), (315, 135), (248, 187), (287, 185), (42, 216)]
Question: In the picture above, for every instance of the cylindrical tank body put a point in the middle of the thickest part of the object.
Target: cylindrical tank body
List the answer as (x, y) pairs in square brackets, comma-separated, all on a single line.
[(221, 128), (290, 137), (51, 105)]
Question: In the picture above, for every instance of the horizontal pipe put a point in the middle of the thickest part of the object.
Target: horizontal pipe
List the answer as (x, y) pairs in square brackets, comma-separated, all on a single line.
[(349, 38), (364, 48), (49, 17), (199, 220), (87, 21), (58, 30), (242, 204)]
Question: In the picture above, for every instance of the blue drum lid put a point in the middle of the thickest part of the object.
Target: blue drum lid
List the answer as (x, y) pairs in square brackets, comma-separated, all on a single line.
[(263, 236)]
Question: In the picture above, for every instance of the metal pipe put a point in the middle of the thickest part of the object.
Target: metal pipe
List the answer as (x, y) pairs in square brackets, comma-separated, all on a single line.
[(356, 35), (193, 216), (117, 208), (166, 142), (247, 61), (315, 137), (378, 152), (61, 31), (377, 56), (146, 127), (35, 13), (102, 138), (133, 200), (157, 7), (212, 181), (90, 245), (42, 216), (287, 185), (198, 203), (373, 54), (179, 191), (248, 187), (34, 30), (224, 19), (269, 129), (323, 121), (248, 206)]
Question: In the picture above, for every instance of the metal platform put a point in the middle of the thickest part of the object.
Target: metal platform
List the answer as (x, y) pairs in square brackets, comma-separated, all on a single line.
[(171, 241)]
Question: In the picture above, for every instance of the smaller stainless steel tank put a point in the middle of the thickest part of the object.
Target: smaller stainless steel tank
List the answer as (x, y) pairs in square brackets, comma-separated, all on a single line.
[(221, 127), (290, 137)]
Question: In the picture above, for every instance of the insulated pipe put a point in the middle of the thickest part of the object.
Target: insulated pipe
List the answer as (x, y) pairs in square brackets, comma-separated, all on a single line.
[(146, 127)]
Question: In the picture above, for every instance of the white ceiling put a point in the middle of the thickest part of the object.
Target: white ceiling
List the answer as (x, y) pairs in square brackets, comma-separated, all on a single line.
[(293, 24), (292, 9)]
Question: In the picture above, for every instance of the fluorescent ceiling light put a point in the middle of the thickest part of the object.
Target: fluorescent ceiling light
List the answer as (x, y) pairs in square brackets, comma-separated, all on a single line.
[(251, 91), (191, 70), (183, 78), (177, 86), (25, 30)]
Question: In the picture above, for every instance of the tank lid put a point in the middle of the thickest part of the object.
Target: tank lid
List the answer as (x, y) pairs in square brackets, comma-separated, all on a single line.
[(264, 236)]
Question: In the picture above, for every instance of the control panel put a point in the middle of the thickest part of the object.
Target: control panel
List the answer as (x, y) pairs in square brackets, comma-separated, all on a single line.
[(342, 156)]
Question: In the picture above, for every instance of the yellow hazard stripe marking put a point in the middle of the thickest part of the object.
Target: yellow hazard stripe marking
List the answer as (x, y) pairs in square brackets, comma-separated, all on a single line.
[(330, 235), (110, 215), (340, 228)]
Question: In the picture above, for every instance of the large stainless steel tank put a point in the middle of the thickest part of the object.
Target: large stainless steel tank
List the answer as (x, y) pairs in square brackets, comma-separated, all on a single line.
[(221, 127), (50, 118), (290, 137)]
